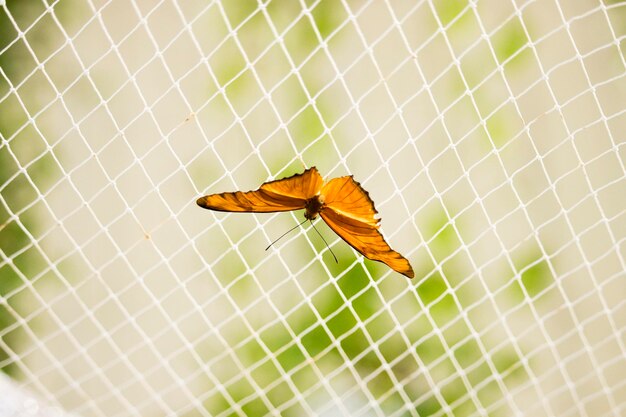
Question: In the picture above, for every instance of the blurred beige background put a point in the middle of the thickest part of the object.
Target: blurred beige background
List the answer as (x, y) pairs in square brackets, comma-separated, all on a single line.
[(490, 134)]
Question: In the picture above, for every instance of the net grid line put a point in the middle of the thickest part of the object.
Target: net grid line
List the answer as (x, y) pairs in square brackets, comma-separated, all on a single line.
[(258, 225)]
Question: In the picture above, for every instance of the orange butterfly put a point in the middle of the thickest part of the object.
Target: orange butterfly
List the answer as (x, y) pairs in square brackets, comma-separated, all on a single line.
[(343, 204)]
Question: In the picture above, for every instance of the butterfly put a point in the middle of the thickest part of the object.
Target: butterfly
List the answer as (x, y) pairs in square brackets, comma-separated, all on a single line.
[(341, 202)]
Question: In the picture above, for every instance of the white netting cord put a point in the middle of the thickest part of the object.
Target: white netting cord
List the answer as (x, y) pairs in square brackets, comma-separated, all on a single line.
[(163, 313)]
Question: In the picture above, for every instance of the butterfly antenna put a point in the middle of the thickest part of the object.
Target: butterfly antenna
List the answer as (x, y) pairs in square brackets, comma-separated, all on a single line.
[(331, 251), (283, 235)]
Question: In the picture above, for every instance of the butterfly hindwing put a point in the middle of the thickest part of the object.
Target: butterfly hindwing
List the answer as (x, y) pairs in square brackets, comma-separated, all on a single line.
[(350, 212), (280, 195)]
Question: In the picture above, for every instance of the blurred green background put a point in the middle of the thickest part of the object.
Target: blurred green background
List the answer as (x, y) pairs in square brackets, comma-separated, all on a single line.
[(487, 133)]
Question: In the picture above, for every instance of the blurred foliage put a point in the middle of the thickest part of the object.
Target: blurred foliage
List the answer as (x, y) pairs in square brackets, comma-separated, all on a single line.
[(16, 62), (327, 17), (448, 10), (229, 63), (351, 323), (535, 277), (357, 328), (306, 127), (509, 40), (499, 130), (21, 11)]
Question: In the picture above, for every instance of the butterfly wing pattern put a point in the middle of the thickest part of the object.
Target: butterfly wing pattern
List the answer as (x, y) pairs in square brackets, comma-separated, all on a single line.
[(342, 203), (349, 211), (285, 194)]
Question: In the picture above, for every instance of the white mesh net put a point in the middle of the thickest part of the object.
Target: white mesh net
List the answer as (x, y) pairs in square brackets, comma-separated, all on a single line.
[(489, 133)]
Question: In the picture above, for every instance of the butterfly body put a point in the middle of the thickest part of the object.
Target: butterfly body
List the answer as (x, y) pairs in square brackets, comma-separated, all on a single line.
[(313, 207), (341, 202)]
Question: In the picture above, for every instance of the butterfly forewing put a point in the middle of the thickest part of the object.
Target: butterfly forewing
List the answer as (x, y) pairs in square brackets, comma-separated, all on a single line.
[(300, 186), (280, 195), (346, 196)]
